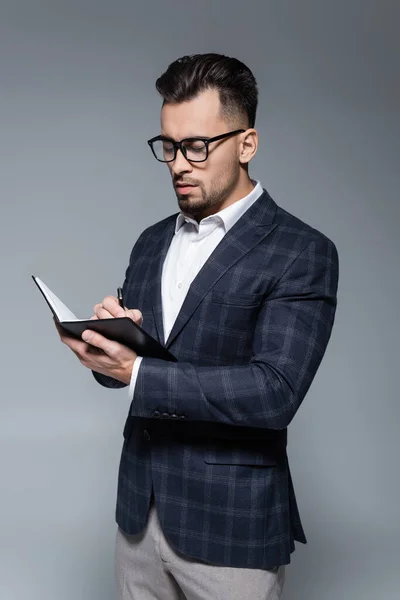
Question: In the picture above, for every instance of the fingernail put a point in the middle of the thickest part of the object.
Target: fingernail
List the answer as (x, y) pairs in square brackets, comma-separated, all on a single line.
[(86, 336), (121, 313)]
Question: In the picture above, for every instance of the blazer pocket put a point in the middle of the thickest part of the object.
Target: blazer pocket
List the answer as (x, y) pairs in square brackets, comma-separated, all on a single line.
[(236, 299), (243, 456)]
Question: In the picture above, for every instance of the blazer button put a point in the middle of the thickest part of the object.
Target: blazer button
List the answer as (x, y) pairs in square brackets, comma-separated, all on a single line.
[(146, 435), (156, 414), (165, 415)]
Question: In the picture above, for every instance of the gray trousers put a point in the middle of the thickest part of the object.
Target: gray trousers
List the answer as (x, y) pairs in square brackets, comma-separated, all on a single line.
[(148, 568)]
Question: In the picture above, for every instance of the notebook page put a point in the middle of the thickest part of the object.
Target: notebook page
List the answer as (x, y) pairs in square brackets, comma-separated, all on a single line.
[(62, 311)]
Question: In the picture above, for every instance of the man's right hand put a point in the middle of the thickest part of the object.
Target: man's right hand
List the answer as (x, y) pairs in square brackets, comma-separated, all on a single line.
[(109, 308)]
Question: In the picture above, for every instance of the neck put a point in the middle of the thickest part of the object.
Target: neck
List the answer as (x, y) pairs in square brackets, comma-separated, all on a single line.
[(242, 190)]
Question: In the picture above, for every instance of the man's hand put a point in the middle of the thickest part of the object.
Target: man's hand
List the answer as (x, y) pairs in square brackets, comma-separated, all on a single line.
[(99, 353), (110, 309)]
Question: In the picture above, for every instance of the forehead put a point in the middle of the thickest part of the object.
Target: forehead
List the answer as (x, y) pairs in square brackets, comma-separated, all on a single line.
[(199, 116)]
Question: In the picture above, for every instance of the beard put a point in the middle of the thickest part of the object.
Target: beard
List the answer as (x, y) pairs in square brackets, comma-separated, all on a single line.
[(206, 201)]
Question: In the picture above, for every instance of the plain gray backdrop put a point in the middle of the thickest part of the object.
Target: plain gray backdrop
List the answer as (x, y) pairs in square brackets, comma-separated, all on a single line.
[(78, 185)]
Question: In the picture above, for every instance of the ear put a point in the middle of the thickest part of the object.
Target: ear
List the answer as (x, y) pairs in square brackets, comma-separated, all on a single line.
[(248, 146)]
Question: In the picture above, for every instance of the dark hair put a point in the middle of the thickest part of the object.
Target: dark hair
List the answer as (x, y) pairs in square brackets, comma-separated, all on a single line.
[(186, 77)]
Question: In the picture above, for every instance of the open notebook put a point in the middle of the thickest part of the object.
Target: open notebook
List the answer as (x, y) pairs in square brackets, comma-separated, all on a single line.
[(122, 330)]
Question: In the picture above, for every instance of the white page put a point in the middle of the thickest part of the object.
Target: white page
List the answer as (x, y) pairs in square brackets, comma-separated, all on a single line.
[(63, 313)]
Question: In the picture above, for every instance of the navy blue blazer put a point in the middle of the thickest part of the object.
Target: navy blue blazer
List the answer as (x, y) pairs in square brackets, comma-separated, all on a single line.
[(208, 434)]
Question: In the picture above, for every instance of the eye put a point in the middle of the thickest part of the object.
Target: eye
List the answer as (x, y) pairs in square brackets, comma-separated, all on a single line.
[(195, 146), (167, 146), (168, 149)]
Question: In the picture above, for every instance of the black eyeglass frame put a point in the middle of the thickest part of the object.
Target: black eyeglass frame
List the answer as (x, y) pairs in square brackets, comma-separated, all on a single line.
[(179, 145)]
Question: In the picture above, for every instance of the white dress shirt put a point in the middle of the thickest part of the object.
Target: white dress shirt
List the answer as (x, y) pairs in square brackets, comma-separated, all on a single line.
[(191, 246)]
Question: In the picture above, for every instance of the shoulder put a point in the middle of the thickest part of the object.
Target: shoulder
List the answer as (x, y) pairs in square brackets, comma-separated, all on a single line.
[(298, 234), (151, 238), (160, 226), (154, 232), (308, 257)]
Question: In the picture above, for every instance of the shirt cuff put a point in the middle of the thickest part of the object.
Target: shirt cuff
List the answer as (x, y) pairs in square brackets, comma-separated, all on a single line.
[(134, 375)]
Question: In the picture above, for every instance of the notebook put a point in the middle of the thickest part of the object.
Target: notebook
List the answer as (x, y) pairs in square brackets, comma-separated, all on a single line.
[(122, 330)]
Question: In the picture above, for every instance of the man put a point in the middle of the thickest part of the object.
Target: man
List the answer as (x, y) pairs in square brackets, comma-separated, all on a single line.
[(244, 295)]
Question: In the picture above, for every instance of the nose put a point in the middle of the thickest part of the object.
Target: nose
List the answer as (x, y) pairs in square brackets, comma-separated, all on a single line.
[(180, 164)]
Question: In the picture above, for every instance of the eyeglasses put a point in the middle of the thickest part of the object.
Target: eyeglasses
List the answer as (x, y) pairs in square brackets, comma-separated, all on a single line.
[(193, 149)]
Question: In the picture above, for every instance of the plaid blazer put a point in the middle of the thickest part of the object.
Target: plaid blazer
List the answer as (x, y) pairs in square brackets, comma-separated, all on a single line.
[(208, 433)]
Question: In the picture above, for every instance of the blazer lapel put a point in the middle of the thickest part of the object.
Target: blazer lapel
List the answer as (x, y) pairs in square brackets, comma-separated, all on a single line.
[(162, 241), (253, 226)]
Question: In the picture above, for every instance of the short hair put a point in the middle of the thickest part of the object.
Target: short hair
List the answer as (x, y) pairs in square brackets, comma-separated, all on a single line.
[(186, 77)]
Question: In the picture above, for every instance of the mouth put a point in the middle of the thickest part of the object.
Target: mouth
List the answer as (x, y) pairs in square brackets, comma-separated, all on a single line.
[(184, 188)]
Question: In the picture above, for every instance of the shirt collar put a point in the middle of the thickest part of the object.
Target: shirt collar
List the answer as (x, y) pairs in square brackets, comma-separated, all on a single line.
[(229, 215)]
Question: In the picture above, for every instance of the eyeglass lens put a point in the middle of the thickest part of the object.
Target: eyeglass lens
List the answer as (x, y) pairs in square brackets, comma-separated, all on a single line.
[(194, 149)]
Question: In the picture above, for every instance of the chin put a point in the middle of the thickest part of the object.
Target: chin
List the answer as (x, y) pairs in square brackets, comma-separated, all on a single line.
[(189, 209), (190, 206), (186, 207)]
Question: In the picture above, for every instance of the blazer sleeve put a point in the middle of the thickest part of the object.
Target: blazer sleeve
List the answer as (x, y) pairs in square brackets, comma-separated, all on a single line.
[(291, 335), (105, 380), (109, 382)]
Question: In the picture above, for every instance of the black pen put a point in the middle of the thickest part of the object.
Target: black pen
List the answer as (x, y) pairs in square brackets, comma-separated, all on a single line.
[(120, 299)]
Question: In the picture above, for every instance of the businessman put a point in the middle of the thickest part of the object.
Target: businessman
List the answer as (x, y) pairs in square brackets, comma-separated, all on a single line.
[(244, 295)]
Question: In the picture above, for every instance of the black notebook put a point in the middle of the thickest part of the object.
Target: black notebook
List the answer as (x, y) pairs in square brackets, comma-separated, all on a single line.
[(122, 330)]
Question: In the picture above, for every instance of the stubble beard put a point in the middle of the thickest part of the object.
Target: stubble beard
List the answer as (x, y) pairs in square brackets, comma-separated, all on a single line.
[(193, 207)]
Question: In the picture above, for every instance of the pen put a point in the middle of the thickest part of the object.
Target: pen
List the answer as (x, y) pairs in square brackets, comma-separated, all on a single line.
[(120, 299)]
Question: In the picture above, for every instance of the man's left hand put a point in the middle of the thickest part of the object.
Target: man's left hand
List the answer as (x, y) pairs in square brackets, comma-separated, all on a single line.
[(101, 354)]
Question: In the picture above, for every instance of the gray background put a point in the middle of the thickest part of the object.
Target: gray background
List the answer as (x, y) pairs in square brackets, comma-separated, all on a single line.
[(78, 184)]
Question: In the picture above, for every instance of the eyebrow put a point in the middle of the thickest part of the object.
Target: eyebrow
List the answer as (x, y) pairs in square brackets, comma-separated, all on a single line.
[(192, 135)]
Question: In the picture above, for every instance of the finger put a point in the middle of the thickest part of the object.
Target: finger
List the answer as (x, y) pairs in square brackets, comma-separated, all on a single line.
[(62, 333), (77, 346), (99, 341), (102, 313), (87, 354), (80, 348), (99, 312), (96, 308), (135, 315), (111, 304)]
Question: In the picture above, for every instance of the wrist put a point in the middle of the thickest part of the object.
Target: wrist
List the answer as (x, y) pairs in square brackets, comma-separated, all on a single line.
[(127, 374)]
